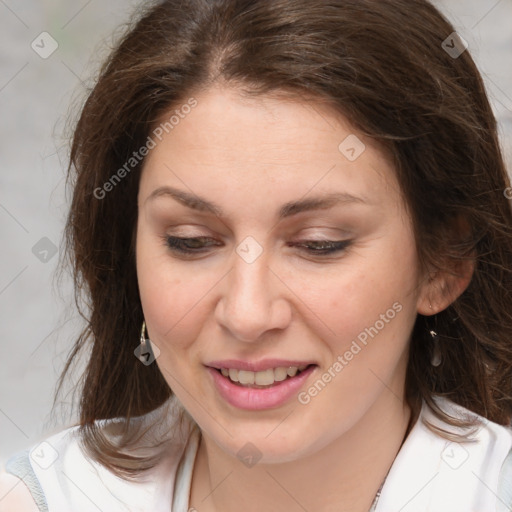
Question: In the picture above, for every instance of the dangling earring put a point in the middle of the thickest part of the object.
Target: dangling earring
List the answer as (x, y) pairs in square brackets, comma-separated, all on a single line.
[(143, 339), (146, 352), (436, 353), (435, 360)]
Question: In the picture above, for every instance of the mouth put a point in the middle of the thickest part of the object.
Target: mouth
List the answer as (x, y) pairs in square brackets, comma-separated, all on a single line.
[(262, 379), (265, 389)]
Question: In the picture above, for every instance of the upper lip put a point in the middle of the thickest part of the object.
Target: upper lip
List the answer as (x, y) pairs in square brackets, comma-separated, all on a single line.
[(257, 366)]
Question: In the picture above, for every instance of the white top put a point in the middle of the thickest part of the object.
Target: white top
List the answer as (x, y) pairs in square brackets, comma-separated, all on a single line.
[(429, 474)]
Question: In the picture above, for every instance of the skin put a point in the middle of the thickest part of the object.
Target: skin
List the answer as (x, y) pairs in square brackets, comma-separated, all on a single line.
[(14, 495), (250, 156)]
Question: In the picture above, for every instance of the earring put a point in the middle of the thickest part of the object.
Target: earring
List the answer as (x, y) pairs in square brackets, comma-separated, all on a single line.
[(146, 352), (436, 353), (147, 348), (435, 360), (143, 338)]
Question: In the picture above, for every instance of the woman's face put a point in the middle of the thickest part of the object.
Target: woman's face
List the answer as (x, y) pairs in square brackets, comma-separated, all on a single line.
[(264, 188)]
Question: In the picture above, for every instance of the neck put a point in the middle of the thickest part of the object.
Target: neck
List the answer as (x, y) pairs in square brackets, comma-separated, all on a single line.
[(343, 476)]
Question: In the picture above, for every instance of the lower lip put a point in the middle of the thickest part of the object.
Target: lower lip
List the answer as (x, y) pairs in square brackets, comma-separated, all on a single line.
[(257, 399)]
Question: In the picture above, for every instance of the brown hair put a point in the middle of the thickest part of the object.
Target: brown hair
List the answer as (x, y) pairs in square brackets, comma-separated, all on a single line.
[(381, 64)]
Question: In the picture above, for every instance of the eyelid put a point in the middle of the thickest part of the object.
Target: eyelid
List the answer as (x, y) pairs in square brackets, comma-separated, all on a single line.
[(335, 247), (183, 239)]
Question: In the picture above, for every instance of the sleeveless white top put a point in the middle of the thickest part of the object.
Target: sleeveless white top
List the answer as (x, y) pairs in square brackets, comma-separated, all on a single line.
[(429, 474)]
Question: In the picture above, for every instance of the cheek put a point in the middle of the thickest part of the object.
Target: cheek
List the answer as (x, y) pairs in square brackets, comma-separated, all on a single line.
[(365, 321), (372, 299), (157, 284), (174, 303)]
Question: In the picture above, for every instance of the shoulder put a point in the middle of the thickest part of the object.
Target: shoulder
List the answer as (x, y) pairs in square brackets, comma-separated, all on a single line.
[(492, 441), (26, 471), (494, 431), (14, 495), (59, 474), (461, 469), (487, 452)]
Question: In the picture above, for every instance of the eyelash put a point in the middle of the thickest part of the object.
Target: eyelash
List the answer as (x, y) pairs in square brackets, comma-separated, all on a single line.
[(175, 244)]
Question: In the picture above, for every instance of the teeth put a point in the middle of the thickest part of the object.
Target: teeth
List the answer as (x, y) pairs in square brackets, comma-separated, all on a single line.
[(280, 374), (244, 377), (263, 378)]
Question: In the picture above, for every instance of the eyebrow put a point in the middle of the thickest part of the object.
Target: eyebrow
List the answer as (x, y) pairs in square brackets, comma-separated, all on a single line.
[(198, 203)]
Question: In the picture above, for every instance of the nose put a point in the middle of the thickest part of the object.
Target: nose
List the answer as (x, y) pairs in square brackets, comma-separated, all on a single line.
[(253, 300)]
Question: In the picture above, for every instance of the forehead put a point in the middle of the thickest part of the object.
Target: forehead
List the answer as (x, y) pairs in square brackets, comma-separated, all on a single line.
[(264, 144)]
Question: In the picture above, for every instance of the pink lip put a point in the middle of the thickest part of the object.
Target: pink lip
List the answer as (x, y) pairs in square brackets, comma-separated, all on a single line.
[(258, 366), (254, 399)]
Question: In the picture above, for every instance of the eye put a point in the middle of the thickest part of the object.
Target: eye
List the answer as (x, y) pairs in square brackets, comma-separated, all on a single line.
[(189, 245), (197, 245), (323, 247)]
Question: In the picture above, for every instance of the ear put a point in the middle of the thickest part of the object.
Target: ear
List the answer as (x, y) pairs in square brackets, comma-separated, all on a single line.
[(442, 287)]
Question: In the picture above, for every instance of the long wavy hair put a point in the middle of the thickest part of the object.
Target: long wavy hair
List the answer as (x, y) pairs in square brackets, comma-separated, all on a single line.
[(384, 65)]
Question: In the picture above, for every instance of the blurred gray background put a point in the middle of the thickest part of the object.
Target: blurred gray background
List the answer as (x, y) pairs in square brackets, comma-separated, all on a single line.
[(50, 51)]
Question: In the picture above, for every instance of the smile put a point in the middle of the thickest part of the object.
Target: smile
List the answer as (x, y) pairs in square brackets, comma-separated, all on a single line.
[(261, 379), (265, 389)]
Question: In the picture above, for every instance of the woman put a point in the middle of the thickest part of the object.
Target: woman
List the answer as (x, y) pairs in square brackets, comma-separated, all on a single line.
[(300, 208)]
